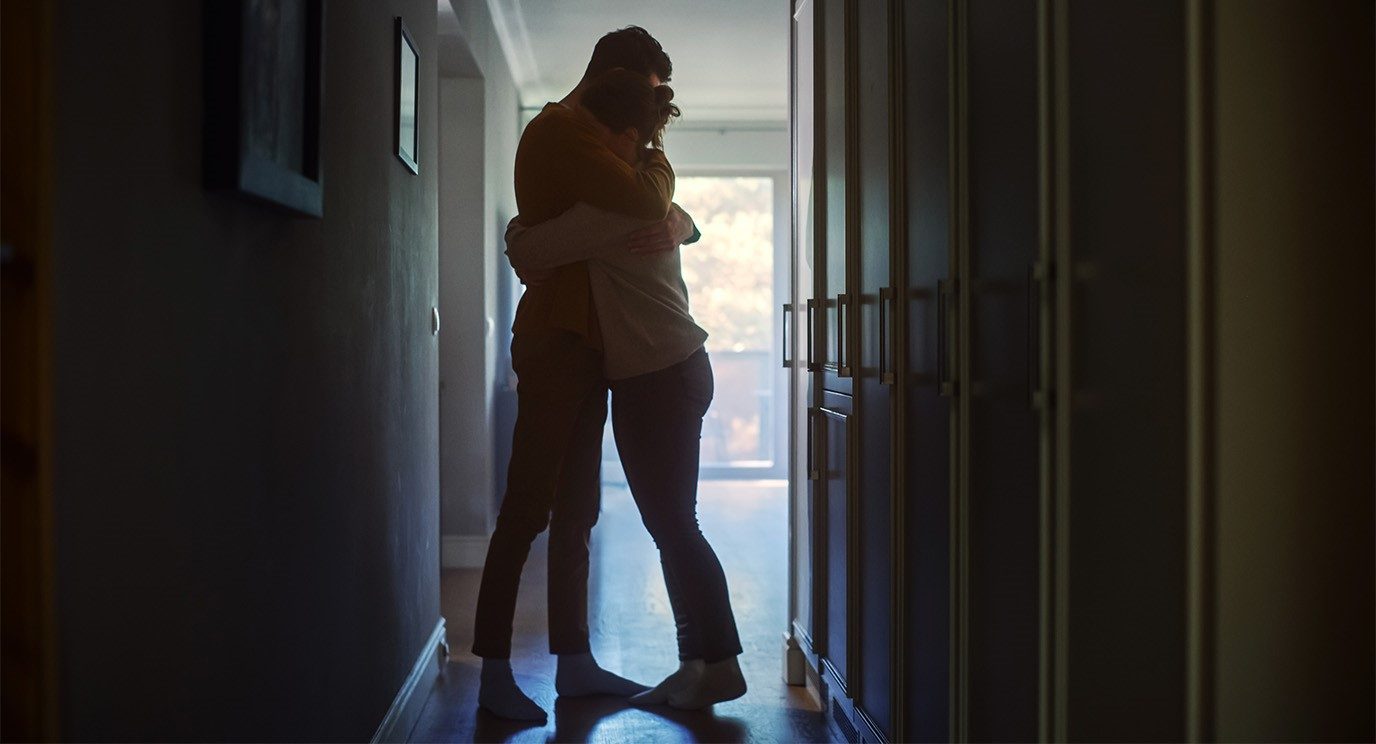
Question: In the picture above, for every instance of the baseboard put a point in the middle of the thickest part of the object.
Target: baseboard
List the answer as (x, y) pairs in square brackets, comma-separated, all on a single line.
[(795, 662), (463, 551), (406, 706), (800, 648), (871, 730)]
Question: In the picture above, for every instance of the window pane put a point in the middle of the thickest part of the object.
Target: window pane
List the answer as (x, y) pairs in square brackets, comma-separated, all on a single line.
[(730, 278)]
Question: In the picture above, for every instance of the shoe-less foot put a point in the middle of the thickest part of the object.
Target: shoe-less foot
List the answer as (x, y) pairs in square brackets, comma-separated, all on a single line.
[(499, 695), (579, 675), (688, 673), (720, 681)]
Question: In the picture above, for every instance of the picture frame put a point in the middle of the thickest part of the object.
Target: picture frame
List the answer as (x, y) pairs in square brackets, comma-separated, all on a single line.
[(407, 137), (263, 78)]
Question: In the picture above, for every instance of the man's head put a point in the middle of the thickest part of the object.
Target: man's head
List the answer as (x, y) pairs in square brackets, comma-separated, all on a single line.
[(634, 49)]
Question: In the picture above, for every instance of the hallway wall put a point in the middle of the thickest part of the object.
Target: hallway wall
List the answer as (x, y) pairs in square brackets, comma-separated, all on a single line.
[(465, 359), (246, 430), (479, 127), (1293, 267)]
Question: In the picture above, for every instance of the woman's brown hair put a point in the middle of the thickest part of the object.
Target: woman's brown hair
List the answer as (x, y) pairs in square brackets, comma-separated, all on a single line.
[(622, 99)]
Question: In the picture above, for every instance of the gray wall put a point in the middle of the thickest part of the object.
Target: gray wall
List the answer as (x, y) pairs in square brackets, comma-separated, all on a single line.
[(1293, 287), (246, 430), (465, 359), (479, 131)]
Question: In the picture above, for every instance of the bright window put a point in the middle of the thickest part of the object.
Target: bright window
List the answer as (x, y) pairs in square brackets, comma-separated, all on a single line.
[(730, 278)]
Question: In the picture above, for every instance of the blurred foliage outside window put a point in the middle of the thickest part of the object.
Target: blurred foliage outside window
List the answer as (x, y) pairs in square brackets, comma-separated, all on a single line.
[(730, 271), (730, 278)]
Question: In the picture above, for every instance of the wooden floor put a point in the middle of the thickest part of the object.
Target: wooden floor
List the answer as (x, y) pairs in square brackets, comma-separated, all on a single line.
[(633, 634)]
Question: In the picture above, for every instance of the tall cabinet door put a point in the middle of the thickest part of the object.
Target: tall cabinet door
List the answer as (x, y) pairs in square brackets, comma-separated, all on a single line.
[(998, 449), (874, 374), (1120, 102), (836, 530), (924, 252)]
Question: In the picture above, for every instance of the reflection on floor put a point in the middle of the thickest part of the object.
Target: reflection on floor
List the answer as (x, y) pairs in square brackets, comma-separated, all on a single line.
[(633, 634)]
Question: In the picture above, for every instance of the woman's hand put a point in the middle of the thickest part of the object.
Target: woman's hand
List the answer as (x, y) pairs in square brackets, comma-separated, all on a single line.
[(662, 236)]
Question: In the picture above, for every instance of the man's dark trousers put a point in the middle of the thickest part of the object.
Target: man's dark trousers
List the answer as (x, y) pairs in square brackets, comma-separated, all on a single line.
[(554, 480)]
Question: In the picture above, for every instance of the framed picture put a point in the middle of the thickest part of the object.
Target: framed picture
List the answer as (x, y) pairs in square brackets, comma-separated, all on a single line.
[(408, 97), (263, 61)]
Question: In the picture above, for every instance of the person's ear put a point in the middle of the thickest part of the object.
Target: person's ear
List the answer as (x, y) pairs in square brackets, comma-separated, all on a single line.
[(632, 134)]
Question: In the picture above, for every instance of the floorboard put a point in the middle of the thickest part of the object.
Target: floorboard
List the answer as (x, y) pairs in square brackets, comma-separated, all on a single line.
[(633, 634)]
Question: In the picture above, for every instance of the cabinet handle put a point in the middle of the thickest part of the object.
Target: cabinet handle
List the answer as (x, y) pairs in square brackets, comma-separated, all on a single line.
[(783, 324), (811, 306), (813, 472), (842, 358), (943, 363), (887, 376)]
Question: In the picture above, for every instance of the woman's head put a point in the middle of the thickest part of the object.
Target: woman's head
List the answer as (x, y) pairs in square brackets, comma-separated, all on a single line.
[(633, 111)]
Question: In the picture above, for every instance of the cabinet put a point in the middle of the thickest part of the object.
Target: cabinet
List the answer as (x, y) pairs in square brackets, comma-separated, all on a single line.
[(925, 500), (925, 432), (1019, 503), (998, 410), (873, 375), (1119, 354)]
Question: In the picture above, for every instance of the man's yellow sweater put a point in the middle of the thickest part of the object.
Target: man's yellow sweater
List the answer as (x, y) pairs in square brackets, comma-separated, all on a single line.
[(561, 161)]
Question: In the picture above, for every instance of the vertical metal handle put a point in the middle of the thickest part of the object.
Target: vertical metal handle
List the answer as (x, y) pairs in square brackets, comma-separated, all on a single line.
[(811, 306), (943, 366), (784, 342), (813, 472), (887, 376), (843, 368)]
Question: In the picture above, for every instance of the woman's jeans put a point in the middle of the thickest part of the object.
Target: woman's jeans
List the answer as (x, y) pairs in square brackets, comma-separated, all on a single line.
[(657, 420)]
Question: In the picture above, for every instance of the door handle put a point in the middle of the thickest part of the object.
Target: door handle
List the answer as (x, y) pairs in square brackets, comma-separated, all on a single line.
[(811, 306), (887, 375), (944, 290), (843, 368), (813, 472), (787, 363)]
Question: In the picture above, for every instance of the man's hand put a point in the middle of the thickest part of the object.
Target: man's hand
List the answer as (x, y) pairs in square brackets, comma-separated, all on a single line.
[(662, 236), (533, 277)]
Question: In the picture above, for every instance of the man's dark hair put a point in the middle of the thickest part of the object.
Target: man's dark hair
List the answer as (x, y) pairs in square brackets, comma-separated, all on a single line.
[(632, 48)]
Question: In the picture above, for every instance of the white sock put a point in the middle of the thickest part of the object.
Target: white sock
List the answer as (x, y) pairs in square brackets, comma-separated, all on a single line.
[(579, 675), (720, 681), (688, 672), (499, 695)]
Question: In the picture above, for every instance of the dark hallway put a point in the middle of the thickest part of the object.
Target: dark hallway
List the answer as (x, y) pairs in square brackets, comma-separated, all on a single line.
[(1041, 402)]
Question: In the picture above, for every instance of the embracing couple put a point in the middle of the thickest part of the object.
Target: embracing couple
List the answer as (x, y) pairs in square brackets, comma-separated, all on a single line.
[(597, 244)]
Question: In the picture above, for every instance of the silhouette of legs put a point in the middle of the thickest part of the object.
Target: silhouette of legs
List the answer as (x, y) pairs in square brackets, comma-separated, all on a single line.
[(657, 420), (575, 511), (553, 480)]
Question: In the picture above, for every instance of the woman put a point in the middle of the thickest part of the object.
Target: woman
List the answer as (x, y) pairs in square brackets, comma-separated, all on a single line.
[(661, 382)]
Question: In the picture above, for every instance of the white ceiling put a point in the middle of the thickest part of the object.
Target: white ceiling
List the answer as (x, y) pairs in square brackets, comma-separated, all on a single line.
[(730, 56)]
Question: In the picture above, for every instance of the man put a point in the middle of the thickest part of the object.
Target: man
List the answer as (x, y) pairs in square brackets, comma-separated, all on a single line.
[(555, 471)]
